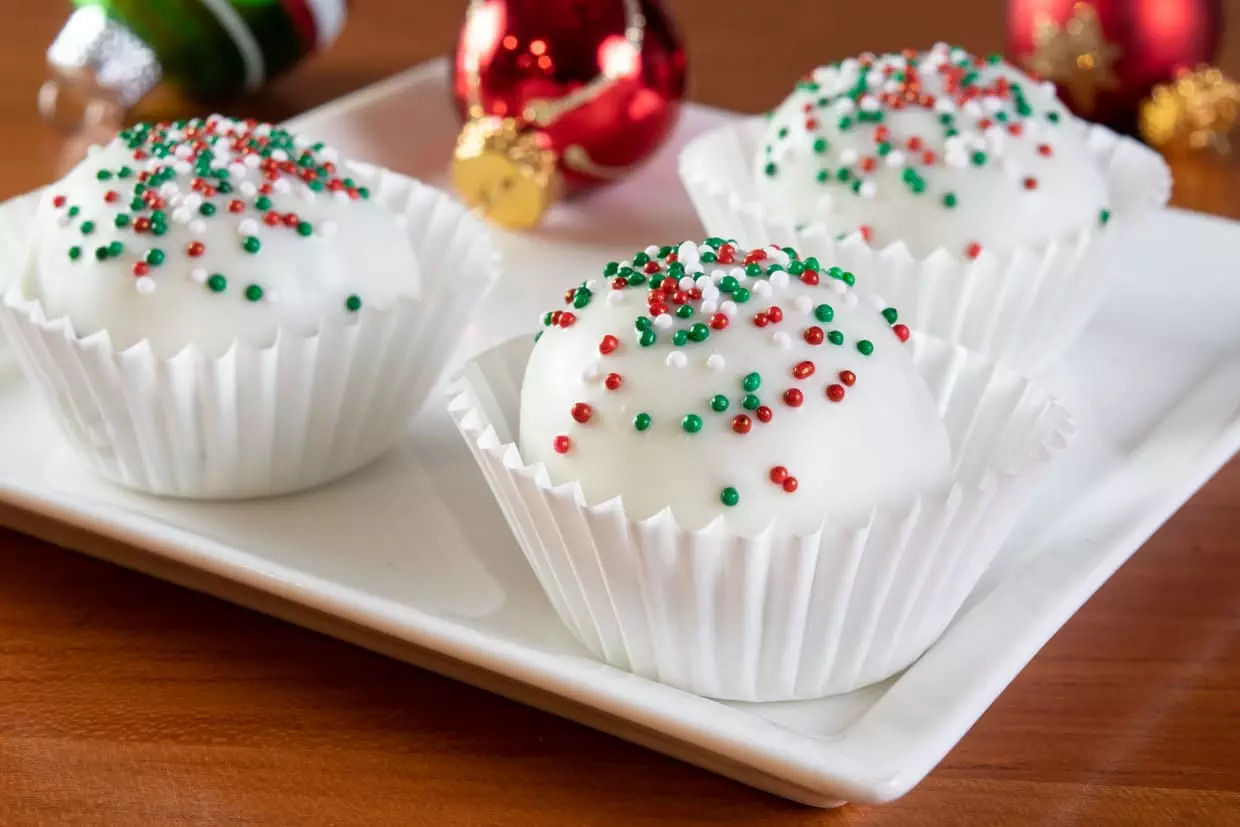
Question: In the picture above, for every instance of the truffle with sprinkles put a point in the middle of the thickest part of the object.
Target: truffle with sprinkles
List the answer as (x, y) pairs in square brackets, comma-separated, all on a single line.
[(210, 231), (752, 385), (933, 149)]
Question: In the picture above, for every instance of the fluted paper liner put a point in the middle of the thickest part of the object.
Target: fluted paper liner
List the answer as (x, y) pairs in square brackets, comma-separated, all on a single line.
[(266, 420), (1023, 308), (777, 616)]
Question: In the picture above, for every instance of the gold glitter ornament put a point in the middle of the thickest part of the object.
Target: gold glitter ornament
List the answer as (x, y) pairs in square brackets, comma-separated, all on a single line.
[(1197, 110)]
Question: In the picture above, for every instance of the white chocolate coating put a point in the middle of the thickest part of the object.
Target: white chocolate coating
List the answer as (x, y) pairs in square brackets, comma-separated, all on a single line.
[(883, 444), (357, 247), (1034, 181)]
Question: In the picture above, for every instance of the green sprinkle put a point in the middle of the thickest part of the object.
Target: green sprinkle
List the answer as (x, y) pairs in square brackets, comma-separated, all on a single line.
[(842, 174), (73, 211), (727, 284), (316, 185), (124, 172), (103, 175), (865, 347), (217, 283), (612, 268), (740, 295), (729, 496), (642, 421), (811, 263), (137, 205), (154, 256), (750, 402), (206, 208), (820, 145), (1053, 117), (640, 260), (719, 403), (883, 149), (845, 123), (1103, 217), (158, 229), (891, 315), (251, 244), (994, 59), (75, 252), (101, 253), (978, 158), (680, 338), (139, 189), (692, 423), (353, 303), (949, 200), (709, 258), (752, 381), (783, 132), (646, 339), (771, 169), (115, 249), (835, 337), (699, 332), (684, 311), (753, 270), (88, 227), (824, 312), (642, 323), (824, 175), (121, 221)]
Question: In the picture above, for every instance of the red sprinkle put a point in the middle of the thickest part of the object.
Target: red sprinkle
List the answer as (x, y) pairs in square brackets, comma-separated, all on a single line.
[(868, 163), (778, 474), (790, 484), (775, 314), (608, 344), (291, 219), (567, 319), (581, 412), (619, 283), (754, 256), (1030, 183), (651, 267), (141, 268), (718, 321), (741, 424), (914, 143), (973, 250), (195, 248), (801, 370), (901, 331), (1015, 129), (814, 335), (929, 158), (810, 277), (793, 398), (236, 205), (866, 232), (835, 393), (271, 218), (59, 201), (764, 413), (1045, 150), (760, 320), (111, 196), (612, 381), (848, 377), (562, 444)]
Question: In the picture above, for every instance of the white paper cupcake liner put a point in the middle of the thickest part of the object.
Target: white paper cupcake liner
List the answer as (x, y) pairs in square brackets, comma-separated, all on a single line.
[(778, 616), (261, 421), (1023, 308)]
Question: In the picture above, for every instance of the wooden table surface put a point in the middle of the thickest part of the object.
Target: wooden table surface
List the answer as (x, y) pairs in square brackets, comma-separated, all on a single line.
[(126, 701)]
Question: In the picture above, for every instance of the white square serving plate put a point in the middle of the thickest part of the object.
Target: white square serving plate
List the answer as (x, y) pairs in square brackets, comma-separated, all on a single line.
[(412, 557)]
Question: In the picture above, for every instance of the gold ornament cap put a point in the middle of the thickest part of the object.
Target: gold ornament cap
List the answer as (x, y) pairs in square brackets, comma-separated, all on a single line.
[(501, 170)]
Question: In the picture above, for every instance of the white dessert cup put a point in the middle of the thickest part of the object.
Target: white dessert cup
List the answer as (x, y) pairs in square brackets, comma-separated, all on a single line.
[(777, 616), (263, 418), (1022, 308)]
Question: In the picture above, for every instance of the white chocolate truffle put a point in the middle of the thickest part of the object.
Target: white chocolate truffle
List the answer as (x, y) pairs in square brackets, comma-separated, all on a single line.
[(795, 407), (194, 233), (938, 150)]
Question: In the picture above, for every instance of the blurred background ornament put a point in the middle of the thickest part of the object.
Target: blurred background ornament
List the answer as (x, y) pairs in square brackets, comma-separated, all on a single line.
[(559, 96), (1198, 110), (111, 53), (1106, 55)]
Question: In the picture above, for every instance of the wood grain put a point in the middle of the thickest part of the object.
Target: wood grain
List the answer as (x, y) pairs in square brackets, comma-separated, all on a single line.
[(127, 701)]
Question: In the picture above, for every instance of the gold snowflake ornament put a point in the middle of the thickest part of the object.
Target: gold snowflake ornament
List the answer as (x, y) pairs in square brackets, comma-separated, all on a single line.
[(1075, 55)]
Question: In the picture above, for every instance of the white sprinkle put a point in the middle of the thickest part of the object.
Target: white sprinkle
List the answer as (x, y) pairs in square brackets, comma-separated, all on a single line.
[(192, 201), (874, 80), (973, 108), (891, 86), (592, 284), (781, 340), (182, 167), (715, 362), (301, 142), (704, 283), (717, 275), (272, 296), (652, 251), (168, 189), (676, 359), (954, 144), (200, 275), (329, 155), (279, 155), (895, 158), (63, 219), (685, 283), (777, 254), (282, 185), (850, 300), (248, 189), (251, 161), (182, 151), (957, 159), (825, 202), (197, 226), (709, 306), (803, 304), (237, 170), (836, 286), (247, 226), (845, 106), (591, 371), (145, 285), (779, 279), (868, 188), (992, 104), (848, 156), (705, 248), (738, 273), (944, 104), (613, 296), (762, 287), (728, 308), (687, 254), (1048, 87), (869, 103), (182, 215), (341, 195), (663, 321)]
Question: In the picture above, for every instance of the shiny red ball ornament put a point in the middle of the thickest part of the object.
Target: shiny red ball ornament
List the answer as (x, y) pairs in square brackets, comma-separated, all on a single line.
[(560, 96), (1105, 55)]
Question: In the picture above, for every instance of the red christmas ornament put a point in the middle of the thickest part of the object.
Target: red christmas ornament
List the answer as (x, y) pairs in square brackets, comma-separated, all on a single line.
[(1106, 55), (559, 95)]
